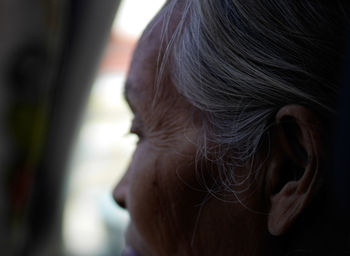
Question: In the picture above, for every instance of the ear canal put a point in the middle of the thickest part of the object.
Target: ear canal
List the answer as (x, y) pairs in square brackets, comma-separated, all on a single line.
[(293, 137), (295, 157), (293, 169)]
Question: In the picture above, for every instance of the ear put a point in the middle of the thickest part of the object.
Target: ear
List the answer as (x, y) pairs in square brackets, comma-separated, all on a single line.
[(293, 170)]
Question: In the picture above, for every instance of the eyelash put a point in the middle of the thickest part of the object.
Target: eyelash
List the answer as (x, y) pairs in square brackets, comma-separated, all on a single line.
[(136, 128)]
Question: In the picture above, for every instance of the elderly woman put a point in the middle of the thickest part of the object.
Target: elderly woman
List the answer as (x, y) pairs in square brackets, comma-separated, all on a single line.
[(232, 103)]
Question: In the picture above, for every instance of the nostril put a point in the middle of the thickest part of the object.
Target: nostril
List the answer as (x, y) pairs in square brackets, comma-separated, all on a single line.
[(121, 203)]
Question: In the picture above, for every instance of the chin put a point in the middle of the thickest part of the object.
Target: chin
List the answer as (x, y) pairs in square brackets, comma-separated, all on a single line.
[(135, 243)]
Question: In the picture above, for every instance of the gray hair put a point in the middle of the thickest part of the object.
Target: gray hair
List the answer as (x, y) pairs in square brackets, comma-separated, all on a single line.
[(238, 62)]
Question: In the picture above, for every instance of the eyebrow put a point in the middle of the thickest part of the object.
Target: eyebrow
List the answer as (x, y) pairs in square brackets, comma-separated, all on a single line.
[(127, 91)]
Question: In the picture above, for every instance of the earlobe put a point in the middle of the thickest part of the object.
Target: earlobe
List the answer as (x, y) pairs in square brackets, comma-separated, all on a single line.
[(294, 169)]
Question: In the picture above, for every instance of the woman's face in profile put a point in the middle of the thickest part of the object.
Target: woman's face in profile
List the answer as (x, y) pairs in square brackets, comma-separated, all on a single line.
[(172, 213)]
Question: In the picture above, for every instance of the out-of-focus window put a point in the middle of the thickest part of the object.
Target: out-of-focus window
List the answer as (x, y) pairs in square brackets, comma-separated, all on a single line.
[(93, 223)]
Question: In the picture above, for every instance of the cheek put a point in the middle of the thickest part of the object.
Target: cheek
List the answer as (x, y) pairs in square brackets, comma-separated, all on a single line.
[(142, 198), (163, 199)]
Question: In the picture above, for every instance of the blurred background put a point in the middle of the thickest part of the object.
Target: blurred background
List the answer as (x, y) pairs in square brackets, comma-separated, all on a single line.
[(93, 223), (64, 123)]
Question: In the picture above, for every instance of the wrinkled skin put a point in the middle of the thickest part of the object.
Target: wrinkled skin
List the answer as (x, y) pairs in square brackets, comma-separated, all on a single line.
[(171, 212)]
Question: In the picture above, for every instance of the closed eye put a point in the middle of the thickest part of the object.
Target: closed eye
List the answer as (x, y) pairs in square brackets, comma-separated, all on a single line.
[(137, 128)]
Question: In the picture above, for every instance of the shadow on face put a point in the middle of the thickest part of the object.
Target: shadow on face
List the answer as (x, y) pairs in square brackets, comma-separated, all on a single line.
[(173, 212)]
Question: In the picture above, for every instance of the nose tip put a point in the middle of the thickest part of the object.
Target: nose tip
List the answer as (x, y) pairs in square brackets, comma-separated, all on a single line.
[(120, 193), (120, 200)]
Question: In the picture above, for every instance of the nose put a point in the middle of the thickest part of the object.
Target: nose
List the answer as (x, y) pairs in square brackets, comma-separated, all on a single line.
[(120, 192)]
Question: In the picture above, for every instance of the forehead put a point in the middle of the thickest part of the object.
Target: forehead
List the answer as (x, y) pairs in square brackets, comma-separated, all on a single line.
[(149, 52)]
